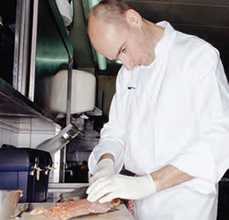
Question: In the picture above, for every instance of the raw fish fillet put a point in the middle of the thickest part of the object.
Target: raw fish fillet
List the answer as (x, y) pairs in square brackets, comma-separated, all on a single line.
[(69, 209)]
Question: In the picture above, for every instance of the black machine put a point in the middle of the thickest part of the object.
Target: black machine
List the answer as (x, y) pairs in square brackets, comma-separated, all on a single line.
[(223, 199), (26, 169)]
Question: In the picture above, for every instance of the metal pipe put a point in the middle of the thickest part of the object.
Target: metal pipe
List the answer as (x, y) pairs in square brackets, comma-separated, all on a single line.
[(69, 49), (68, 116), (21, 51), (33, 51), (17, 44), (26, 51)]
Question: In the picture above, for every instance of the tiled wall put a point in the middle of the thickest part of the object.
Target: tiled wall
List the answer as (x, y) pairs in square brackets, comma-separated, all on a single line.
[(25, 132), (33, 131), (8, 131), (29, 132)]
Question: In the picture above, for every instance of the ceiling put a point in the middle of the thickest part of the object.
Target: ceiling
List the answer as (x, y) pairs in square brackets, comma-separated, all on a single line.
[(208, 19)]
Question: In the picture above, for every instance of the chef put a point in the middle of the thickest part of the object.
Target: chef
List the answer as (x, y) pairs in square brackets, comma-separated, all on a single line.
[(168, 121)]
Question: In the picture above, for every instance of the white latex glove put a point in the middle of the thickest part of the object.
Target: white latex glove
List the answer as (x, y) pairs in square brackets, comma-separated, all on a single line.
[(120, 186), (105, 168)]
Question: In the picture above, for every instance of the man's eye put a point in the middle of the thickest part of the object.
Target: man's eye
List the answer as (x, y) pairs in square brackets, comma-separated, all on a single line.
[(123, 50)]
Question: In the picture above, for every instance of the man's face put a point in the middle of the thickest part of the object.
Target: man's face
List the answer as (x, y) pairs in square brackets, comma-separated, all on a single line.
[(119, 41)]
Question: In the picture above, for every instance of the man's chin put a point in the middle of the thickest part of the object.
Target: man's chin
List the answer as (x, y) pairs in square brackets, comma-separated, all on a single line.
[(130, 68)]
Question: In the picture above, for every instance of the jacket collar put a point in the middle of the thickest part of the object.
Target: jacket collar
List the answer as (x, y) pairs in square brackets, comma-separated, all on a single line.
[(164, 43)]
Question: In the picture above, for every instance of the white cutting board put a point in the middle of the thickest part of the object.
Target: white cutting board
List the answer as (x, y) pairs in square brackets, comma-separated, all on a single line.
[(121, 214)]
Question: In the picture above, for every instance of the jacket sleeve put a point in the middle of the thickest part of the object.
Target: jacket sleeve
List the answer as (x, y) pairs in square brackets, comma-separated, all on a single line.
[(207, 157), (111, 136)]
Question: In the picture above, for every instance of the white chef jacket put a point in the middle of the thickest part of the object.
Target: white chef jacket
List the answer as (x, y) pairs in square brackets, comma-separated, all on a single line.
[(174, 111)]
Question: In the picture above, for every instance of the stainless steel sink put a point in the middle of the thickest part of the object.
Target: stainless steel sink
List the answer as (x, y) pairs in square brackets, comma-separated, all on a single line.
[(8, 202)]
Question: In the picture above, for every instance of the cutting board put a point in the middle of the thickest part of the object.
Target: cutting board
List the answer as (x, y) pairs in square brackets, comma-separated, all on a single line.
[(120, 214)]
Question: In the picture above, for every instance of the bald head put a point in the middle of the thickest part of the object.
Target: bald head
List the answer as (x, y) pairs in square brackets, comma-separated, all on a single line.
[(106, 20), (110, 10)]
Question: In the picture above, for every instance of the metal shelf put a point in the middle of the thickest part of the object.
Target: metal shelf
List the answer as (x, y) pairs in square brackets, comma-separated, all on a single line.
[(14, 104)]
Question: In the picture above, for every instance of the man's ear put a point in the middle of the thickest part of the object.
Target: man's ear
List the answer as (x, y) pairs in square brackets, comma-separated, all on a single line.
[(133, 18)]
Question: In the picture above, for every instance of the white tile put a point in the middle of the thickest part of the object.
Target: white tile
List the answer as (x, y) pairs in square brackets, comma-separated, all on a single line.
[(23, 140), (42, 125), (37, 138), (1, 139), (25, 124), (13, 139)]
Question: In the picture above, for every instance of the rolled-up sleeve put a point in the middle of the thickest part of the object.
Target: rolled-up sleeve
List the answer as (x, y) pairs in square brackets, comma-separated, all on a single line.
[(207, 157), (112, 134)]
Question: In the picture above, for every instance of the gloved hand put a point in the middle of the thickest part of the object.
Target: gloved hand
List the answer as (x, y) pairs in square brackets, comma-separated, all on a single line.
[(120, 186), (105, 168)]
